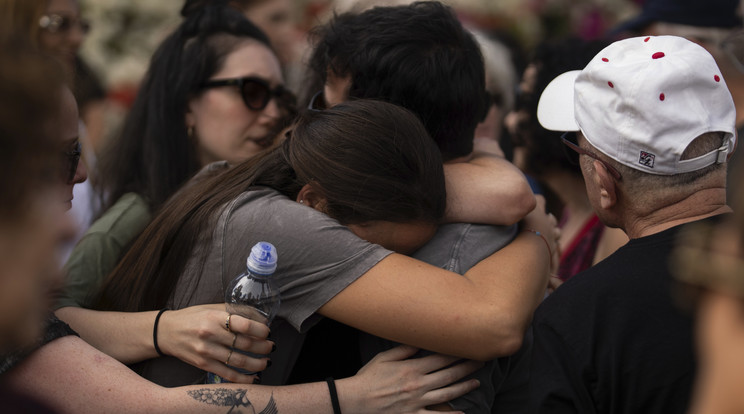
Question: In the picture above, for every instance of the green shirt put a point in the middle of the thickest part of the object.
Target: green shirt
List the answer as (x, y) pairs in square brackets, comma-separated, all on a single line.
[(101, 248)]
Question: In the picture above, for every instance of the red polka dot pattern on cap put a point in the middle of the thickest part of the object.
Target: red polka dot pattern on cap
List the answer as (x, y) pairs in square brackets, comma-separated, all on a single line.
[(717, 78), (605, 60), (662, 97), (647, 39), (610, 84), (657, 55)]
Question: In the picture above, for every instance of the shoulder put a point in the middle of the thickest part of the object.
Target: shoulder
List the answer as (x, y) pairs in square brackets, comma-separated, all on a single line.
[(130, 210)]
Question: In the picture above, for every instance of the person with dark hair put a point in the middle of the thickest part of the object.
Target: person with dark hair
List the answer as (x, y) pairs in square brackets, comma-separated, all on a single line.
[(34, 164), (362, 170), (654, 126), (213, 92), (538, 152), (63, 371), (31, 173), (420, 57), (274, 17)]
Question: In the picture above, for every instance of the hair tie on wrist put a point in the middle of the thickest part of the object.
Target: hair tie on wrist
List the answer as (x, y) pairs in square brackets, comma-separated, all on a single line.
[(334, 395), (155, 332)]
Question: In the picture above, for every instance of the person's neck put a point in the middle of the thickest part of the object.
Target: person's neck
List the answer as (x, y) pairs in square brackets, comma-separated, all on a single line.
[(697, 206)]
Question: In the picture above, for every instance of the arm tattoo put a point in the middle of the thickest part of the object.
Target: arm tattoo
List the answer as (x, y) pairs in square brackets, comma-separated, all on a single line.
[(231, 398)]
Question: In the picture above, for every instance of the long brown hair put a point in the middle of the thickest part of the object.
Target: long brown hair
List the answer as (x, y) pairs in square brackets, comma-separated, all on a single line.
[(370, 160)]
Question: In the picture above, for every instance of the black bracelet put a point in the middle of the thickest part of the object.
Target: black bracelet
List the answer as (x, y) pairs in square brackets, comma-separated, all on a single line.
[(334, 395), (155, 332)]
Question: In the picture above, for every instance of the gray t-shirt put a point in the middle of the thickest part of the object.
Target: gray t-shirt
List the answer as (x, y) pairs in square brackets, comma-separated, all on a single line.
[(457, 247), (317, 258)]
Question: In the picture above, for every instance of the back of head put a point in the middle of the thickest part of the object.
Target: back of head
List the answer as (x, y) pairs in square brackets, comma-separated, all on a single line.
[(154, 154), (371, 160), (643, 101), (417, 56), (30, 90), (712, 13)]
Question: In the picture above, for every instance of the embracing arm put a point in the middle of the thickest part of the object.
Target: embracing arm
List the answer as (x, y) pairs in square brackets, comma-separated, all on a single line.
[(487, 188), (482, 315), (73, 377), (196, 335)]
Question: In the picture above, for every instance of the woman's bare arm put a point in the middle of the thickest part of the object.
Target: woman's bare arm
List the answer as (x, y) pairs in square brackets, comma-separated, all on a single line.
[(73, 377), (486, 188), (482, 315), (196, 335)]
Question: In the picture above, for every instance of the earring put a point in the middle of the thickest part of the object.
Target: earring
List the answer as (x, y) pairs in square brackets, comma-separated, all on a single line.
[(302, 201)]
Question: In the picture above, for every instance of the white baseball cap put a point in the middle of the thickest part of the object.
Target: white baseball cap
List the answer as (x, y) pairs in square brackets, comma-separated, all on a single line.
[(642, 101)]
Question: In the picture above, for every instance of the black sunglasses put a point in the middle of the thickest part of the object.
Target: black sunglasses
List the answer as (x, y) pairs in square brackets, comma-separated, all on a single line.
[(72, 159), (581, 151), (256, 92), (55, 23), (317, 102)]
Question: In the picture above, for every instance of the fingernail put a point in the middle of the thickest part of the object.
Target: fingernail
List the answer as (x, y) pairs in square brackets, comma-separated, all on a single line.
[(268, 363), (273, 347)]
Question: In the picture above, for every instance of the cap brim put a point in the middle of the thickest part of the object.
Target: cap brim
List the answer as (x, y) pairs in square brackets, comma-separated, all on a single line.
[(555, 110)]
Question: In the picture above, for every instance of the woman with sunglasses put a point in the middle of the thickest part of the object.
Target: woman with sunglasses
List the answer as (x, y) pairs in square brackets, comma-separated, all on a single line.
[(213, 92)]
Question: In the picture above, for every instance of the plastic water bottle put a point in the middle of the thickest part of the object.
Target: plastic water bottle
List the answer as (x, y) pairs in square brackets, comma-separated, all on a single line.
[(253, 295)]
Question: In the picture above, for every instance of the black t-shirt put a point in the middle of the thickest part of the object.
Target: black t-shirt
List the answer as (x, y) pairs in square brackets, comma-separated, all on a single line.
[(613, 340)]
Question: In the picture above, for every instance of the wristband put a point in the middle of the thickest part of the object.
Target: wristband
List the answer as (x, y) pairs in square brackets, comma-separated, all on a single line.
[(550, 251), (155, 332), (334, 395)]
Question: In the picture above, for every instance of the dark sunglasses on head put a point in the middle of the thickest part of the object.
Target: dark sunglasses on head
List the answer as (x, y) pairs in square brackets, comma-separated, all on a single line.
[(567, 138), (256, 92), (317, 102), (55, 23), (72, 158)]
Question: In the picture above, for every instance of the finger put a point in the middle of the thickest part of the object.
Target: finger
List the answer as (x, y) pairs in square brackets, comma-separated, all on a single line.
[(433, 362), (448, 393), (250, 344), (229, 374), (245, 326), (398, 353), (451, 374), (247, 362)]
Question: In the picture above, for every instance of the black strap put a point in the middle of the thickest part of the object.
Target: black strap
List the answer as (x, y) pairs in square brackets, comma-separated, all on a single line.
[(334, 395)]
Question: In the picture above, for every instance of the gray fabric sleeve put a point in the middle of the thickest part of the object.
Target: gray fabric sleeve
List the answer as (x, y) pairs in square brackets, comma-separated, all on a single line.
[(317, 256)]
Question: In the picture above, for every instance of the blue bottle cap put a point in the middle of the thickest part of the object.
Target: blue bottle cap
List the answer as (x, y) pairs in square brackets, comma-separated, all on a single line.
[(262, 259)]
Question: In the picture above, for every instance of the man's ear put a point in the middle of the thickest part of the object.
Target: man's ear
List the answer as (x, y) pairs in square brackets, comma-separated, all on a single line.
[(606, 184), (312, 198)]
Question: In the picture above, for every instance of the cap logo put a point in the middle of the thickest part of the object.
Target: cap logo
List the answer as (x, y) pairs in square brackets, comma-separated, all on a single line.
[(647, 159)]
